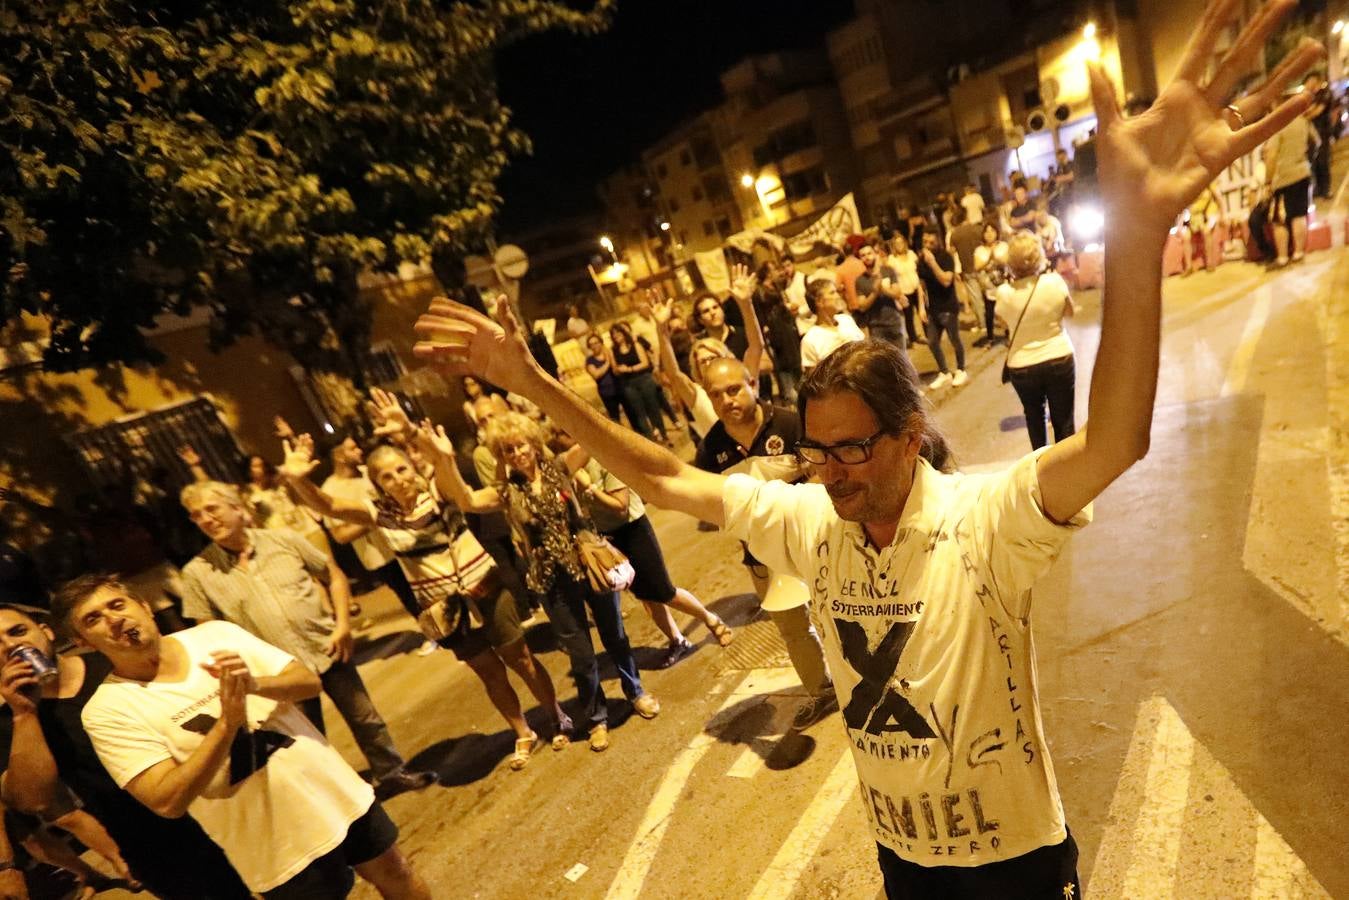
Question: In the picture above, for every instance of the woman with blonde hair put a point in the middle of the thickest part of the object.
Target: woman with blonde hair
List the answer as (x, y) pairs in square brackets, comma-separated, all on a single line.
[(1040, 361), (540, 502), (448, 570)]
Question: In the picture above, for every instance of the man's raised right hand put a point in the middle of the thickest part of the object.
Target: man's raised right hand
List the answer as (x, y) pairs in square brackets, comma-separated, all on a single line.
[(462, 341)]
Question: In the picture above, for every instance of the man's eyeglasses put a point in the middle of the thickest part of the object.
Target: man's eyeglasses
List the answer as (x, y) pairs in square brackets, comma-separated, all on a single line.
[(849, 453)]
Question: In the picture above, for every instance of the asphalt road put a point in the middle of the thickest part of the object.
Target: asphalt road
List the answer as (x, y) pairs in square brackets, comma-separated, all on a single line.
[(1192, 660)]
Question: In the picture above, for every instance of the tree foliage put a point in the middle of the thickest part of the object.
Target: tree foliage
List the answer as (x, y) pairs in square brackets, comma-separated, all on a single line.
[(248, 155)]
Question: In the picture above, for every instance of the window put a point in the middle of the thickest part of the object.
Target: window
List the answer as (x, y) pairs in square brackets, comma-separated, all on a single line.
[(715, 187), (805, 184), (707, 228), (134, 449), (684, 158), (724, 227), (1031, 97), (697, 194)]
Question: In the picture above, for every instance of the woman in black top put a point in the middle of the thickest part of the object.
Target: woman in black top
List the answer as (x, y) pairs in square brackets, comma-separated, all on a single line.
[(632, 363)]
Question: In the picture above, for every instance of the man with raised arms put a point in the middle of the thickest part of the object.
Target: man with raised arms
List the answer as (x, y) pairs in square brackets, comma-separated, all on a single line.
[(921, 578)]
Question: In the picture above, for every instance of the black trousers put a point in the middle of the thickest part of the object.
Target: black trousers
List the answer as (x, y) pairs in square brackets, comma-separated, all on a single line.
[(1049, 873), (1051, 383)]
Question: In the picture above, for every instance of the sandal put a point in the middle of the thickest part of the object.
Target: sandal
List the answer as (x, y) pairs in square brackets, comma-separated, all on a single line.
[(722, 632), (524, 749), (562, 738)]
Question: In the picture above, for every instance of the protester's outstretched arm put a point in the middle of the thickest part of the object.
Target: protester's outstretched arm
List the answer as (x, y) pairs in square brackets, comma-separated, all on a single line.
[(682, 385), (296, 468), (463, 340), (1150, 167), (436, 445), (742, 289)]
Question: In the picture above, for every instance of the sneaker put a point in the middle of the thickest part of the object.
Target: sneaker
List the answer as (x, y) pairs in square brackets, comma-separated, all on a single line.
[(647, 706), (403, 781), (960, 379), (1280, 262), (815, 709), (599, 738), (941, 380), (1298, 256), (676, 653), (983, 341), (427, 648)]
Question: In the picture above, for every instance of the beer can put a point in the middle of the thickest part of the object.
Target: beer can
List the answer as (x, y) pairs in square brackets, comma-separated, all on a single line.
[(44, 668)]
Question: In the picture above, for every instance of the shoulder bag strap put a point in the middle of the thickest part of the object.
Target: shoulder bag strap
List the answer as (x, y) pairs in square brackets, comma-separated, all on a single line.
[(1011, 340)]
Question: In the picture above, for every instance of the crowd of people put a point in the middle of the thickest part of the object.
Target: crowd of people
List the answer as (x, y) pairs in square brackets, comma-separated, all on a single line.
[(900, 587)]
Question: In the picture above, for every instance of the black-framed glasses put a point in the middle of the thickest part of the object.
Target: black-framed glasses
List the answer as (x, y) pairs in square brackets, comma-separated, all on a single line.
[(849, 453)]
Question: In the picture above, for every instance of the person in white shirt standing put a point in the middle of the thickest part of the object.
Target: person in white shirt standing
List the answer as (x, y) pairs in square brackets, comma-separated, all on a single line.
[(921, 580), (973, 202), (1040, 358), (833, 327), (794, 293), (204, 722)]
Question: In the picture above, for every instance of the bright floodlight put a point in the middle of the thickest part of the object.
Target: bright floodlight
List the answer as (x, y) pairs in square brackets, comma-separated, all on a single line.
[(1086, 223), (664, 226), (606, 243), (1089, 31), (1337, 27), (747, 180)]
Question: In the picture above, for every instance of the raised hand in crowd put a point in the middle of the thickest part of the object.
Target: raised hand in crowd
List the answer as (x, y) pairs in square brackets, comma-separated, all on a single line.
[(281, 428), (433, 440), (299, 460), (192, 459), (742, 282), (391, 420)]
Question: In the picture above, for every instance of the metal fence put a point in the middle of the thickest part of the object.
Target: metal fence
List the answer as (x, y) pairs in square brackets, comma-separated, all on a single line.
[(145, 447)]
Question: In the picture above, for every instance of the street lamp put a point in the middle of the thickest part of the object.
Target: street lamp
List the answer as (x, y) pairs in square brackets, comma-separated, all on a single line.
[(606, 243), (1089, 31), (1337, 27), (747, 180), (664, 226)]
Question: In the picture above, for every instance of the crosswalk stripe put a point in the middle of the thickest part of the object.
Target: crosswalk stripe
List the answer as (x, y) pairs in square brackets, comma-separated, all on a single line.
[(1239, 369), (655, 822), (779, 880), (1180, 826)]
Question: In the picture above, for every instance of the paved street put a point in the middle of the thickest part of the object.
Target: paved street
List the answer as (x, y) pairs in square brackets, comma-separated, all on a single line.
[(1192, 649)]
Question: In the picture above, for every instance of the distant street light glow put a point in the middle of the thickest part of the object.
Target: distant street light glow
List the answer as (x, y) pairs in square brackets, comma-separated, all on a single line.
[(606, 243), (1337, 27), (664, 226), (747, 180), (1086, 223), (1089, 31)]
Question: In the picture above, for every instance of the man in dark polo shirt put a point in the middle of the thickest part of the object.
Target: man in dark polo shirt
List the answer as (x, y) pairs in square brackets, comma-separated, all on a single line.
[(879, 299), (44, 750), (759, 439)]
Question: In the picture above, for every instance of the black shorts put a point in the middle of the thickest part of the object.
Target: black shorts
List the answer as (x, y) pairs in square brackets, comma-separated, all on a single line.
[(1295, 200), (501, 628), (331, 875), (1049, 873), (637, 541)]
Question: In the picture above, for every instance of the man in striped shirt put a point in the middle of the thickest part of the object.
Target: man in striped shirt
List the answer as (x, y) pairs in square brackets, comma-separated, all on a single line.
[(268, 581)]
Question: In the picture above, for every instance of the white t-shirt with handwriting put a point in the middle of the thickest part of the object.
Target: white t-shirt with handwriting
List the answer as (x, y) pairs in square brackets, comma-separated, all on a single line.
[(281, 800), (929, 644)]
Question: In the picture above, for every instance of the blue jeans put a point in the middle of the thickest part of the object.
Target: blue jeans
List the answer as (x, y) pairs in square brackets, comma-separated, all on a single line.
[(566, 605), (641, 396), (892, 333), (948, 323)]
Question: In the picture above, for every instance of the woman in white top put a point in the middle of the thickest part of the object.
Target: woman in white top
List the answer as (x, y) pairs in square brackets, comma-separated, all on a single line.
[(905, 263), (1040, 358), (990, 264)]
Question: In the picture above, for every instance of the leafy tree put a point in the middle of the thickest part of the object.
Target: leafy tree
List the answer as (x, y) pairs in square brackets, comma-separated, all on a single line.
[(253, 156)]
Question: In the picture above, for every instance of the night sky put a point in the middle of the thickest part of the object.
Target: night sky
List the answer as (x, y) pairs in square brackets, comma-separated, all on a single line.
[(591, 104)]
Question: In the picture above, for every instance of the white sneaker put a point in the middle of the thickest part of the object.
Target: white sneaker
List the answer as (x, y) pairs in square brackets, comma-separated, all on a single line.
[(960, 378), (941, 380), (427, 648)]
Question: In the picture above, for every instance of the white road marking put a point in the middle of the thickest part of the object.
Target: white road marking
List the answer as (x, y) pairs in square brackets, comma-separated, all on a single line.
[(1153, 812), (660, 810), (751, 761), (1152, 872), (1239, 368), (779, 880)]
